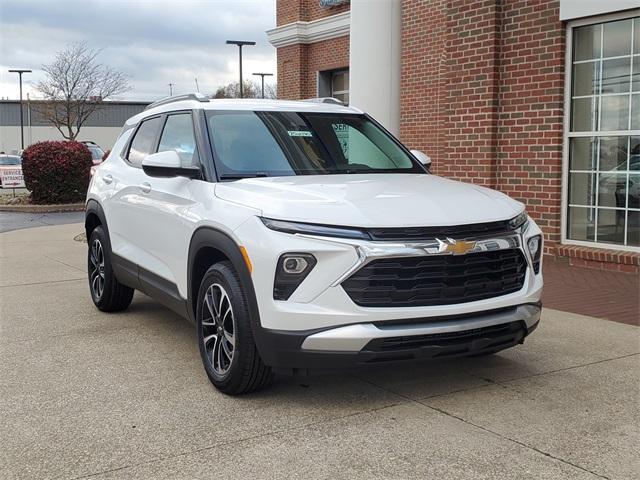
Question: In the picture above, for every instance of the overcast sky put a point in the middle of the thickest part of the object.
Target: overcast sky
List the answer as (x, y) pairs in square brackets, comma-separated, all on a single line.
[(154, 42)]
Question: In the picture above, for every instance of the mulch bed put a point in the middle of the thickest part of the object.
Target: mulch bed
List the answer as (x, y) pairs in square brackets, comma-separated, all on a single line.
[(20, 203)]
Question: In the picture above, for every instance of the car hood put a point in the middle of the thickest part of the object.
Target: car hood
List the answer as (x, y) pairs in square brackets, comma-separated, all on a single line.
[(371, 200)]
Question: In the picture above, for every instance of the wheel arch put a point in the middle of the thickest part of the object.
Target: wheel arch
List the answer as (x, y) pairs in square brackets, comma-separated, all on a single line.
[(208, 246), (94, 217)]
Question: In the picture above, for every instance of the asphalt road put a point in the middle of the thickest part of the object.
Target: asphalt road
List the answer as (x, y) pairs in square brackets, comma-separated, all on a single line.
[(84, 394), (15, 221)]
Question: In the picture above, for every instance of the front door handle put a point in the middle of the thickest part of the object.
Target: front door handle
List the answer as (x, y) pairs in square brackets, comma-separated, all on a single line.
[(108, 178), (145, 187)]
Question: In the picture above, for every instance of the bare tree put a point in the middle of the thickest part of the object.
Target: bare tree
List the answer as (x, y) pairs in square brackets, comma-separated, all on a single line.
[(271, 90), (232, 90), (75, 86)]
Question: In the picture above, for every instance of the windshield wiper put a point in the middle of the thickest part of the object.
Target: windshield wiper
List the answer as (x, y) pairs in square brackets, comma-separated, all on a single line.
[(240, 176)]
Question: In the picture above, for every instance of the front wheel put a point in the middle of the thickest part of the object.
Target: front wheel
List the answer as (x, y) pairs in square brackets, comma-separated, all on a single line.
[(107, 293), (227, 347)]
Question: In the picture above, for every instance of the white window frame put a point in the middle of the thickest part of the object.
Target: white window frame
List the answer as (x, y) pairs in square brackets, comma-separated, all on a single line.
[(564, 215)]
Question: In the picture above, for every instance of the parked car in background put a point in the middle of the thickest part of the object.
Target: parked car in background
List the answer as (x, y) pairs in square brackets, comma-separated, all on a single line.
[(96, 152)]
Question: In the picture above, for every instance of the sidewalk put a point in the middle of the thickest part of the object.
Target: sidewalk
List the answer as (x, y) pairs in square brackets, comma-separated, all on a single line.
[(596, 293)]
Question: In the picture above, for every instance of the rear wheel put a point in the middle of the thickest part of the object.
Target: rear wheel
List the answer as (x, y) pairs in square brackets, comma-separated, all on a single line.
[(227, 347), (107, 293)]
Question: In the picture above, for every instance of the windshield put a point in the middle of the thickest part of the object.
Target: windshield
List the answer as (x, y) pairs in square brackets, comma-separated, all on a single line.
[(247, 144), (10, 160)]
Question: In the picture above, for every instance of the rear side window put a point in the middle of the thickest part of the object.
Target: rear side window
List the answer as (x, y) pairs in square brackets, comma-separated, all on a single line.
[(178, 136), (143, 143)]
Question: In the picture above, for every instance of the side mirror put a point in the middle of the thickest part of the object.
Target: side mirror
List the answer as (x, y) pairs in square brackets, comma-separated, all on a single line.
[(167, 164), (423, 158)]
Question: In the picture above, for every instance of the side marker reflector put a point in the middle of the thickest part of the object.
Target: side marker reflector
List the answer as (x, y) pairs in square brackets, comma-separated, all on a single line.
[(247, 260)]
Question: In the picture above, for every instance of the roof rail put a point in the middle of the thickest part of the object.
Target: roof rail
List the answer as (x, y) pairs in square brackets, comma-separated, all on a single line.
[(331, 100), (179, 98)]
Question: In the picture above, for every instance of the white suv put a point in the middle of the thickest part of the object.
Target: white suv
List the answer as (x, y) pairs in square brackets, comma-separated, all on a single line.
[(302, 235)]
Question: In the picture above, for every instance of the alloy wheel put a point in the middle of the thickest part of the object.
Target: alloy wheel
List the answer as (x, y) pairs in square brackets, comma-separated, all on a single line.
[(218, 329), (96, 260)]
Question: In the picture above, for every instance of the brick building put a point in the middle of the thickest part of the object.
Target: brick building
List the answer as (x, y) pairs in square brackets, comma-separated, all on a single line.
[(537, 98)]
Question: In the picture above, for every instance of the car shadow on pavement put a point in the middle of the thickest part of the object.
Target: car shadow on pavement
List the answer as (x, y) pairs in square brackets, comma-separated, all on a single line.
[(413, 380)]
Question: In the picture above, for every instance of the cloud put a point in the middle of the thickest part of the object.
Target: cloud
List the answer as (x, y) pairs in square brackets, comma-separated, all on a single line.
[(154, 42)]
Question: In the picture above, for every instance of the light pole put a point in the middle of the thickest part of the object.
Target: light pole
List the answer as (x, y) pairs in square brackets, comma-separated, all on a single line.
[(240, 44), (262, 75), (20, 71)]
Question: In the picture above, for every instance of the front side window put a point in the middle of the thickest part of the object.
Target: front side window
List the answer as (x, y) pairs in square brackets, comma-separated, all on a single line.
[(143, 143), (247, 143), (177, 135), (604, 134)]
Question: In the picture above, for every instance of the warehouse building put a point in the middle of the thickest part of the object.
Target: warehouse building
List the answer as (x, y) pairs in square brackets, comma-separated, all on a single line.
[(102, 126), (539, 99)]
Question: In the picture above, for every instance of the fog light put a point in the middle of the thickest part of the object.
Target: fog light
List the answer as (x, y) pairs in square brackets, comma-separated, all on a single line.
[(534, 244), (291, 270), (294, 265)]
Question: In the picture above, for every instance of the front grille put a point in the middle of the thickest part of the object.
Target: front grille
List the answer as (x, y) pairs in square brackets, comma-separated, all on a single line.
[(425, 233), (454, 343), (437, 280)]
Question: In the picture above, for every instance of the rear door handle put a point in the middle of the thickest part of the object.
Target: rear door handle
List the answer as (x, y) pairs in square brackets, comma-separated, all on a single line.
[(108, 178), (145, 187)]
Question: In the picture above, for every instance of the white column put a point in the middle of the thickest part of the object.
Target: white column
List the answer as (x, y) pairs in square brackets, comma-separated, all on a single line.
[(374, 65)]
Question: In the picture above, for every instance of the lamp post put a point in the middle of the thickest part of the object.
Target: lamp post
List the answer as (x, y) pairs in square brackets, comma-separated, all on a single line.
[(262, 75), (20, 71), (240, 44)]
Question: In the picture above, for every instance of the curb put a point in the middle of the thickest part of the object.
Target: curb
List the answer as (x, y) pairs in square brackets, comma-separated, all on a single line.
[(63, 207)]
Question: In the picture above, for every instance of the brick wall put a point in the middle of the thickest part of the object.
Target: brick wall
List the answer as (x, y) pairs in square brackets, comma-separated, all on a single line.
[(298, 66), (482, 93), (292, 71), (288, 11), (531, 110)]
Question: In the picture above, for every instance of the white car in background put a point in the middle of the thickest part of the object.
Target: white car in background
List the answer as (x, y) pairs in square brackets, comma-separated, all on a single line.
[(302, 235)]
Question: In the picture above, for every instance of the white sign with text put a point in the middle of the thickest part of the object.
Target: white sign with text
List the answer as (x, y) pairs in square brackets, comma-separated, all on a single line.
[(12, 177)]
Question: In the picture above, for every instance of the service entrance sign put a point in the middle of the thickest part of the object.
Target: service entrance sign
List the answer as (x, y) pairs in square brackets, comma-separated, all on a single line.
[(12, 177)]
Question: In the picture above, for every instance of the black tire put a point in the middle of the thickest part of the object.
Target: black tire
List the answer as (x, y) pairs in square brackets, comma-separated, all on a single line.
[(112, 296), (235, 367)]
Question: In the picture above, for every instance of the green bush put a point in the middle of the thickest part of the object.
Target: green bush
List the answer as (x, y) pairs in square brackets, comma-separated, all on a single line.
[(57, 172)]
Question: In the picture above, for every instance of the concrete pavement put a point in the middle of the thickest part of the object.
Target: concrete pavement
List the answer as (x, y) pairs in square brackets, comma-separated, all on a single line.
[(85, 394), (17, 220)]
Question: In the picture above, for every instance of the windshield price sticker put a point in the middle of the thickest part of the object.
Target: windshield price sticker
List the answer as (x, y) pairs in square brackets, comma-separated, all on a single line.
[(299, 133)]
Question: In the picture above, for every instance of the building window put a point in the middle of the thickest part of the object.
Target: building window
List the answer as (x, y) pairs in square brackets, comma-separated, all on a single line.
[(340, 86), (603, 135), (334, 83)]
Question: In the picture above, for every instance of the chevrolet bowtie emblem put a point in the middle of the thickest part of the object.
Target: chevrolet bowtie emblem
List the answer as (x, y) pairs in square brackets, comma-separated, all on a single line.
[(455, 247)]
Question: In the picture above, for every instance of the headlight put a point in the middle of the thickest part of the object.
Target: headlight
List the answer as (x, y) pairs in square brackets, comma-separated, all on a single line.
[(315, 229), (519, 221), (534, 244), (291, 270)]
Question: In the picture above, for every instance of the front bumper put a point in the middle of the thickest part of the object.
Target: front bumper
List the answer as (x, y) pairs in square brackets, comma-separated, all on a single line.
[(321, 302), (395, 341)]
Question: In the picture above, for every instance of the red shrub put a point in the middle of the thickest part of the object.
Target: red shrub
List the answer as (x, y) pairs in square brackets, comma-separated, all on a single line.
[(57, 172)]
